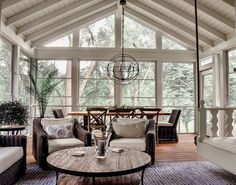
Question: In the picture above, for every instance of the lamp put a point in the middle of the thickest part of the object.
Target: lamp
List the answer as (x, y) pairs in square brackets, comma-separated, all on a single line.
[(122, 68)]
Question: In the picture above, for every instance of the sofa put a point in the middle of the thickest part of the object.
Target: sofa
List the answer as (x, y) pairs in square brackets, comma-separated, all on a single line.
[(43, 145), (135, 134), (12, 158)]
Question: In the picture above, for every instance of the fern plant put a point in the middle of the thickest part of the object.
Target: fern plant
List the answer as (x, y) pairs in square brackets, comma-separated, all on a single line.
[(43, 87)]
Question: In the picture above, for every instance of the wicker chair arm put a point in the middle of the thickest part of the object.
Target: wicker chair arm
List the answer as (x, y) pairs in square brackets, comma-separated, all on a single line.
[(16, 140), (150, 140), (40, 143), (82, 134)]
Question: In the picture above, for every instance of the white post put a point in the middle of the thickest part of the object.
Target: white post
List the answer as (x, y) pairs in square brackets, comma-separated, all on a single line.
[(228, 123), (15, 71), (202, 121), (214, 122)]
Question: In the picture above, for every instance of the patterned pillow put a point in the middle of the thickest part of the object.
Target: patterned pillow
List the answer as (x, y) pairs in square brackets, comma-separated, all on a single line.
[(59, 131)]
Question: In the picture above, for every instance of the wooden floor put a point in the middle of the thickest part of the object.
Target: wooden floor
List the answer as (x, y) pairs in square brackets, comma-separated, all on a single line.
[(184, 150)]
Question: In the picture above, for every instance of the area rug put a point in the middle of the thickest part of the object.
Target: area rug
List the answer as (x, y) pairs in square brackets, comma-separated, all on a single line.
[(162, 173)]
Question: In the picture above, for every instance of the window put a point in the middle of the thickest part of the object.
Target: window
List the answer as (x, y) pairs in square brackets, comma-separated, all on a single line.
[(178, 93), (232, 78), (6, 72), (208, 89), (137, 35), (61, 96), (206, 61), (23, 80), (141, 92), (99, 34), (95, 88), (62, 42), (171, 45)]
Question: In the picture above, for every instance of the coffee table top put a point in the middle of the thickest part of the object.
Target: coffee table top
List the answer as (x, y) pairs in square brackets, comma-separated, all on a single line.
[(88, 165)]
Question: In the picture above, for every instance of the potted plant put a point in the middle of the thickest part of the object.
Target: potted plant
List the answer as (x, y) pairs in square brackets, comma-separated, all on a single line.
[(13, 113), (42, 87)]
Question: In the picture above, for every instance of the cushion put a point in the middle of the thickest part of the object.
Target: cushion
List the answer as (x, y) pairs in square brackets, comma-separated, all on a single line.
[(129, 143), (165, 124), (130, 128), (59, 144), (9, 156), (58, 128), (59, 131), (56, 121)]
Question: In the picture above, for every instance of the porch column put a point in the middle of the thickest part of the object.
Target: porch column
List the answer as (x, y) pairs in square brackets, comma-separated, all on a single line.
[(15, 71), (220, 77)]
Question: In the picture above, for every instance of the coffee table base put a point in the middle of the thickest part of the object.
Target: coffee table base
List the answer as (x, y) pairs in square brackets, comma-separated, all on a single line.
[(129, 179)]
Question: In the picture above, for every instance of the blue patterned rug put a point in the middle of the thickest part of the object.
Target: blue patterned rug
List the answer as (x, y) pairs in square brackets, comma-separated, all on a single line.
[(162, 173)]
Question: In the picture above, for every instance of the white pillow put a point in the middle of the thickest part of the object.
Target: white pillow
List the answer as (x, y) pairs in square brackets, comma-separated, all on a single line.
[(56, 121), (130, 128), (59, 127)]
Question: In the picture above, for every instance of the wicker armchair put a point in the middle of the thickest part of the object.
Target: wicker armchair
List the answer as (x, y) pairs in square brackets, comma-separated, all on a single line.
[(19, 167), (168, 131), (149, 139), (40, 141)]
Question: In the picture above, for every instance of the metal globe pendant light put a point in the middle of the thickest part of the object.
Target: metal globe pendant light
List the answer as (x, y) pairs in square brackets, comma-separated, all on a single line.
[(123, 68)]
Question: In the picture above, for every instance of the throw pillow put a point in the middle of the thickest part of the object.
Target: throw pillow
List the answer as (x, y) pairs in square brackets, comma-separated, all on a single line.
[(59, 131), (56, 121), (130, 128), (58, 128)]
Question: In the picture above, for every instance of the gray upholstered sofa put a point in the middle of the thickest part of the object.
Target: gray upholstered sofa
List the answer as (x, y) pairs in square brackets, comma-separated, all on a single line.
[(130, 136), (12, 158)]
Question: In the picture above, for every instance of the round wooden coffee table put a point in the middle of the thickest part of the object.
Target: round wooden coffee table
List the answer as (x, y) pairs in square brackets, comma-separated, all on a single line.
[(115, 164)]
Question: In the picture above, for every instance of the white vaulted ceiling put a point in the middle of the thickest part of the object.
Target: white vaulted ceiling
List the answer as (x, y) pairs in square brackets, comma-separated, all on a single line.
[(37, 21)]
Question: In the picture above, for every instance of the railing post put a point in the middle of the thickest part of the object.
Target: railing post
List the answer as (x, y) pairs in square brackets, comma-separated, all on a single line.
[(228, 123), (214, 122), (202, 121)]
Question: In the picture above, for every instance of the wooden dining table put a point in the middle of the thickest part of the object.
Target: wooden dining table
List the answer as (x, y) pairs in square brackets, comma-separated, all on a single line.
[(84, 114)]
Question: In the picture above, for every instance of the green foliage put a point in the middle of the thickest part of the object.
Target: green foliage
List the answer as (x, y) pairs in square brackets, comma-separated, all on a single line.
[(12, 113), (43, 87), (5, 68)]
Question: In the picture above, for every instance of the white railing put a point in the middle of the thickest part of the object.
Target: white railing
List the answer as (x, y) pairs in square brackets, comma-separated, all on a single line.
[(226, 123)]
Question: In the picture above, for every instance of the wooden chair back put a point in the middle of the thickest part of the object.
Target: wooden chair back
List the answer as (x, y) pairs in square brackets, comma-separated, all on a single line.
[(174, 117), (150, 113), (124, 112), (58, 113), (97, 118)]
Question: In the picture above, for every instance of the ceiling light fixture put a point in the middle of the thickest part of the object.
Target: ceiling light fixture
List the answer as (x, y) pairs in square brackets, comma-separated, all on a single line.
[(123, 68)]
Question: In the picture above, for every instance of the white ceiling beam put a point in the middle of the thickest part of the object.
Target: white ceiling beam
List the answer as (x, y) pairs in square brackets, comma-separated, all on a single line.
[(70, 28), (160, 27), (212, 13), (170, 21), (48, 17), (30, 11), (190, 18), (107, 53), (77, 16), (8, 3), (229, 2)]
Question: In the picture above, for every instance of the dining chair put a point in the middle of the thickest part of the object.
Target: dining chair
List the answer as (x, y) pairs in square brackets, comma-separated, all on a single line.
[(167, 131), (124, 112), (151, 113), (58, 113), (97, 118)]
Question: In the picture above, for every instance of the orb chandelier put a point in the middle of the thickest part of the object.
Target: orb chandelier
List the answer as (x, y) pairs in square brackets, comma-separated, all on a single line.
[(122, 68)]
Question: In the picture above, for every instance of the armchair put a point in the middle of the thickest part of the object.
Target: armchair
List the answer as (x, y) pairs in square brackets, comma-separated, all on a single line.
[(43, 145), (12, 158), (146, 143), (168, 131)]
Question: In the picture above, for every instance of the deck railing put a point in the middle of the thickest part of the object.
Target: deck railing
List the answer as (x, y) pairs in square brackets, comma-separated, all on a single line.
[(225, 113)]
